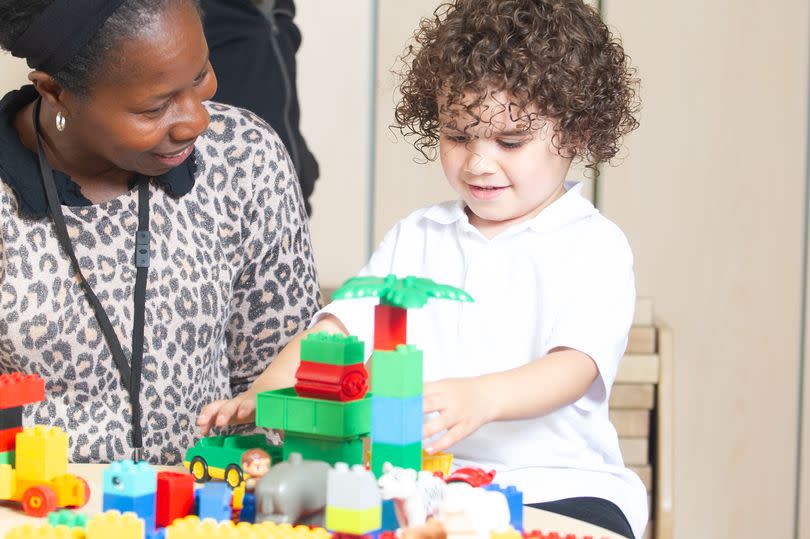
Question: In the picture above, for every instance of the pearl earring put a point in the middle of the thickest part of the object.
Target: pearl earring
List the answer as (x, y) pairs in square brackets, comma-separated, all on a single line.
[(60, 121)]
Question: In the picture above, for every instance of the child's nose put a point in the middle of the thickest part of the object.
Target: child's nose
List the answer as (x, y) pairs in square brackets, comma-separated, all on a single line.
[(478, 164)]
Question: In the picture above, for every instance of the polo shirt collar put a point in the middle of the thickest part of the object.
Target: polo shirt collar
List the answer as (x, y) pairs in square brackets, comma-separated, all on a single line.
[(19, 166), (570, 207)]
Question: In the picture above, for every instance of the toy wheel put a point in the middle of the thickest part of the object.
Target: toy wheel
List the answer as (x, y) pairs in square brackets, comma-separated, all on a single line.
[(233, 475), (85, 496), (199, 469), (39, 501)]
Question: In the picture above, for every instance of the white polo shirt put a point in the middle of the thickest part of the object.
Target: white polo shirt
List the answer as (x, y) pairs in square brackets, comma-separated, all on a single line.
[(563, 278)]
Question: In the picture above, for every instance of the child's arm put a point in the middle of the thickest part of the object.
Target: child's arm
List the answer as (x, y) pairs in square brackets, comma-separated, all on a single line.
[(279, 374), (532, 390)]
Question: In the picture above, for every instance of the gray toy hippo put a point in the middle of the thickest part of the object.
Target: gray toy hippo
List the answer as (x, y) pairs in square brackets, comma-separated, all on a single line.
[(293, 492)]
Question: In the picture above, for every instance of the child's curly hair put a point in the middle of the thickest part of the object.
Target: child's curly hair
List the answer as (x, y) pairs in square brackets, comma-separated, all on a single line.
[(553, 56)]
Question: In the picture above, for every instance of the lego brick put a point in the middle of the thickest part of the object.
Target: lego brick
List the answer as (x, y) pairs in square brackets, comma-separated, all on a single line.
[(395, 420), (506, 534), (114, 524), (326, 449), (18, 389), (8, 481), (214, 501), (352, 488), (175, 497), (126, 478), (8, 439), (389, 516), (67, 518), (46, 452), (331, 382), (514, 499), (192, 527), (283, 409), (11, 418), (353, 521), (390, 327), (45, 531), (332, 348), (404, 456), (7, 457), (438, 462), (397, 373), (143, 506)]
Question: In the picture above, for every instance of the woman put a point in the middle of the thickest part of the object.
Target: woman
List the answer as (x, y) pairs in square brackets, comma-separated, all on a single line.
[(112, 150)]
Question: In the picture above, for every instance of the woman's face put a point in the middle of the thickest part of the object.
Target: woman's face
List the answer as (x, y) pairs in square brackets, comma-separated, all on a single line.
[(144, 110)]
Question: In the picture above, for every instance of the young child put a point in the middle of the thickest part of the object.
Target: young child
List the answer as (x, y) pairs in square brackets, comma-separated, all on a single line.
[(509, 92)]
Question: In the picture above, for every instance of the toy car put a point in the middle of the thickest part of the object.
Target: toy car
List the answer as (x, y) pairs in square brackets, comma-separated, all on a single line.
[(220, 457)]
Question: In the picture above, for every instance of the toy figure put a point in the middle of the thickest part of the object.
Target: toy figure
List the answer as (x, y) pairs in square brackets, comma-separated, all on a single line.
[(255, 463)]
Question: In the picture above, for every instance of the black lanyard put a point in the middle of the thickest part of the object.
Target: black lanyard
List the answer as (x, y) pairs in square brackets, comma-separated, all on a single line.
[(130, 374)]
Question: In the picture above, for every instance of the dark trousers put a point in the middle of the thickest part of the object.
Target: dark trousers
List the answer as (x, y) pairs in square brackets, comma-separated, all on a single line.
[(595, 511)]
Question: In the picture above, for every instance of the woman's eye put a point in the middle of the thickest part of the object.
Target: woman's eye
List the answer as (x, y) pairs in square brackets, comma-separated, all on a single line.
[(157, 110), (201, 78)]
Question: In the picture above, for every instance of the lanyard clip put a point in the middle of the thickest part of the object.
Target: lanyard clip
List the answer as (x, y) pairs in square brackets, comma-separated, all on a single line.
[(142, 239)]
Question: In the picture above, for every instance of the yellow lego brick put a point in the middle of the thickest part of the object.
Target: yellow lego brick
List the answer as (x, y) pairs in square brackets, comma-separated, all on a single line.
[(114, 524), (46, 531), (7, 481), (42, 453), (511, 533), (192, 527), (353, 521), (440, 462)]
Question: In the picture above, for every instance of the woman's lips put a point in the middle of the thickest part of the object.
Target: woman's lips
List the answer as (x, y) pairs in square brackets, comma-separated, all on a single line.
[(173, 160)]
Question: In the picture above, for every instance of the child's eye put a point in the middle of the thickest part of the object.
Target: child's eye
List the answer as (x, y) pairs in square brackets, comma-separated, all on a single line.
[(456, 138), (510, 144)]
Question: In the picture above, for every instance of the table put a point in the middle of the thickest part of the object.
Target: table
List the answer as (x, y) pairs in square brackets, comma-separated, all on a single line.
[(11, 516)]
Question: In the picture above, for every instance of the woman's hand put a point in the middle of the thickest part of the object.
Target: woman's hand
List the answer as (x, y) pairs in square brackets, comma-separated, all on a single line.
[(463, 406), (235, 411)]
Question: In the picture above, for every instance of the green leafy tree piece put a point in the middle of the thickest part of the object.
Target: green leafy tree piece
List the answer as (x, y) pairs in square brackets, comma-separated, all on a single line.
[(406, 293)]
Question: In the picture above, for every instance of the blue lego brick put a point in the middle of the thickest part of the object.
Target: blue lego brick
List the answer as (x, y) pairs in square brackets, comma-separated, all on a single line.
[(396, 421), (143, 506), (214, 501), (159, 533), (389, 516), (514, 499), (248, 512), (125, 478)]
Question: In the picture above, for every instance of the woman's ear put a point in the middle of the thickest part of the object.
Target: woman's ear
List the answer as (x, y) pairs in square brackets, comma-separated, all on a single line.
[(50, 90)]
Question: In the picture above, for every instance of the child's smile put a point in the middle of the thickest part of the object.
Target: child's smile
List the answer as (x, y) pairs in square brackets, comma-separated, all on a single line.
[(504, 166)]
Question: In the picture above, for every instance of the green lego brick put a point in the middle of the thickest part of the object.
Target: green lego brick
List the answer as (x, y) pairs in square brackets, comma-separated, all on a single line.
[(353, 521), (332, 348), (404, 456), (329, 450), (283, 409), (7, 457), (397, 373), (67, 518)]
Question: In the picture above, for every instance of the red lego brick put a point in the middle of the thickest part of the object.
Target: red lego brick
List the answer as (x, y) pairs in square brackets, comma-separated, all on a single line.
[(18, 389), (8, 439), (175, 497), (390, 327), (331, 382)]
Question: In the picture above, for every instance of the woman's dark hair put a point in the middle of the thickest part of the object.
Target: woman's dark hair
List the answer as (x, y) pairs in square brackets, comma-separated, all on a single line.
[(555, 57), (127, 22)]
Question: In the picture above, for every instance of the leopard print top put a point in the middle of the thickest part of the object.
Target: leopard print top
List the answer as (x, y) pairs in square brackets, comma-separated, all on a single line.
[(231, 280)]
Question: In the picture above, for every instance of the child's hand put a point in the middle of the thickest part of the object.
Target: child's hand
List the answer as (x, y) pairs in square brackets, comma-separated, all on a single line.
[(463, 406), (240, 409)]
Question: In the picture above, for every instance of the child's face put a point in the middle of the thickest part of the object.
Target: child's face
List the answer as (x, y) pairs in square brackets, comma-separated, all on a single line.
[(504, 173)]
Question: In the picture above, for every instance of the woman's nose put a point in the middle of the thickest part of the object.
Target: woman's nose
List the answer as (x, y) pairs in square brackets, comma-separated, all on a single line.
[(192, 120)]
